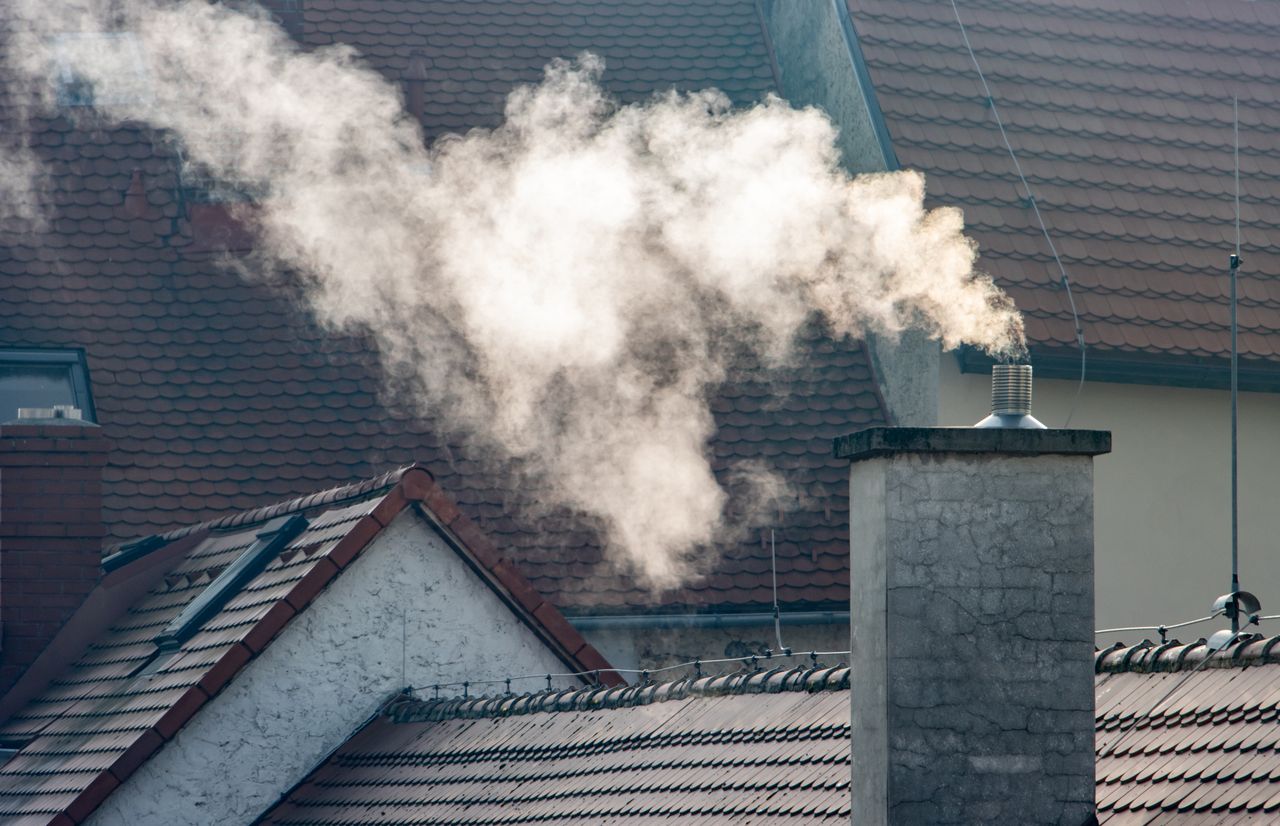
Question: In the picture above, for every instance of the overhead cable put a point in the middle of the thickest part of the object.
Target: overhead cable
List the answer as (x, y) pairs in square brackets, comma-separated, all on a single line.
[(1035, 208)]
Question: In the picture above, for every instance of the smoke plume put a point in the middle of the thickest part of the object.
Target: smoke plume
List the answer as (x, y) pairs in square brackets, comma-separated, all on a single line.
[(566, 288)]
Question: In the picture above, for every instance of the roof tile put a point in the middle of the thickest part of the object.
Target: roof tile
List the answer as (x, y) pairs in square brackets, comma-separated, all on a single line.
[(748, 747), (1121, 117)]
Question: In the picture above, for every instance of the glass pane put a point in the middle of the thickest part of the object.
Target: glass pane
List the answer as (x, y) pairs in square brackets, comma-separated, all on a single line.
[(33, 385)]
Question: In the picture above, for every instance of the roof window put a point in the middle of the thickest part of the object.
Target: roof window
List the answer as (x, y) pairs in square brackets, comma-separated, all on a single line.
[(100, 69), (268, 542), (44, 378)]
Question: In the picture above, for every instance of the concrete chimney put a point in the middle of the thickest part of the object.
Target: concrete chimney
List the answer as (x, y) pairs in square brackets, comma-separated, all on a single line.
[(972, 625), (51, 529)]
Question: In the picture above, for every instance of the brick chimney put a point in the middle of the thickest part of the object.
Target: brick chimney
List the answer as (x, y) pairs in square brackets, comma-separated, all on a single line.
[(51, 529), (972, 625)]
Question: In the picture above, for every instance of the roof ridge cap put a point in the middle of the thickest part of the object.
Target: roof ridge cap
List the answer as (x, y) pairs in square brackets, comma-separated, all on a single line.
[(1146, 657), (329, 496), (407, 709)]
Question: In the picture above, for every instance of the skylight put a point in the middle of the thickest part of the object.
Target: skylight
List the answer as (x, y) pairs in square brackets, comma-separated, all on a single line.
[(44, 378)]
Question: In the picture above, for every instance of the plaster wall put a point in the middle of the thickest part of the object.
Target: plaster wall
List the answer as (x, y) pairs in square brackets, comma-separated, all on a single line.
[(816, 69), (1163, 496), (907, 372), (972, 620), (327, 672)]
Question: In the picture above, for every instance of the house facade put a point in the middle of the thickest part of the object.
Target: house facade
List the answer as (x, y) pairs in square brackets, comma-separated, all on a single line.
[(1121, 117), (212, 666), (364, 655)]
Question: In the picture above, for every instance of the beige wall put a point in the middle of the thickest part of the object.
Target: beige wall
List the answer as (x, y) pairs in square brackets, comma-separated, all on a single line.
[(1163, 496)]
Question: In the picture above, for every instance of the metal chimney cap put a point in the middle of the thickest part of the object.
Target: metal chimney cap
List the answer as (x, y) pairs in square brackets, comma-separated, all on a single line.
[(1011, 398)]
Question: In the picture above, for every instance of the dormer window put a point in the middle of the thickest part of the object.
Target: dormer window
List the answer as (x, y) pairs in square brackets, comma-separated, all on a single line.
[(100, 69), (44, 379)]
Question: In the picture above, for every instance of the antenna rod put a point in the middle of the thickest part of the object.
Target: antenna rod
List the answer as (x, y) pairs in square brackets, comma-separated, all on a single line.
[(1234, 262), (777, 615)]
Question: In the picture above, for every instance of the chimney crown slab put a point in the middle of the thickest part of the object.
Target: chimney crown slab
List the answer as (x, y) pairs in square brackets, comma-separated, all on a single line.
[(885, 441)]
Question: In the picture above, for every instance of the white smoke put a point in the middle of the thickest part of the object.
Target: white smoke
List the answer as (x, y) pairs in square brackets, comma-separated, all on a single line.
[(19, 172), (566, 288)]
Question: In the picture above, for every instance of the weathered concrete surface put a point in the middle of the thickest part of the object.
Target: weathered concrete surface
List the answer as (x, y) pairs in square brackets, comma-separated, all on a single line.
[(329, 669), (973, 634), (883, 441), (817, 68), (907, 372)]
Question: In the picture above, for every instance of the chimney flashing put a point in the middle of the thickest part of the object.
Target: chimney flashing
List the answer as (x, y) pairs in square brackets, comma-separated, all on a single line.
[(887, 441)]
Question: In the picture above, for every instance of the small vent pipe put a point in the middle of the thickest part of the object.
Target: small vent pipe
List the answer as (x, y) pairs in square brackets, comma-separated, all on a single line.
[(1011, 398)]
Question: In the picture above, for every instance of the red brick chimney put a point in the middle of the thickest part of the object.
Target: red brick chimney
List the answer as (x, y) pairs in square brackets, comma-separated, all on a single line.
[(51, 530)]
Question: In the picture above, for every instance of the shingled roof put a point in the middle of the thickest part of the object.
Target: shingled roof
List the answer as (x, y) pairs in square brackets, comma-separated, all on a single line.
[(87, 729), (1121, 115), (219, 394), (1185, 735), (746, 748)]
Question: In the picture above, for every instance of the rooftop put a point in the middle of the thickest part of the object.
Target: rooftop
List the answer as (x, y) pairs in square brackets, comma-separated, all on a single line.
[(219, 395), (1121, 115), (1185, 735), (742, 748), (86, 723)]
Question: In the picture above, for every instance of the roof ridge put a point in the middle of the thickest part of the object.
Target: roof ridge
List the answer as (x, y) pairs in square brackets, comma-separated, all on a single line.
[(330, 496), (1147, 657), (407, 709)]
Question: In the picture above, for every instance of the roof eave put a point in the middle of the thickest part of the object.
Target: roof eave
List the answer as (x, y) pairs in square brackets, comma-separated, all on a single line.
[(1154, 369)]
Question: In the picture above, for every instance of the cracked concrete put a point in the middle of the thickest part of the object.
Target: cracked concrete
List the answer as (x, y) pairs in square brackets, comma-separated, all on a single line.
[(972, 633)]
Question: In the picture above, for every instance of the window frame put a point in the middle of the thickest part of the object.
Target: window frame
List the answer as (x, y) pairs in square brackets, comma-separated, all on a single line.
[(78, 368)]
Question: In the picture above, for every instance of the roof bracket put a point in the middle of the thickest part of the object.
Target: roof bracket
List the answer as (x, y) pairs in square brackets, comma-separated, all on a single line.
[(271, 539)]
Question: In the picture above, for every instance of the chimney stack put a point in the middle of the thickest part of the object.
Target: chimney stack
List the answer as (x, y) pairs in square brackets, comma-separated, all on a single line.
[(51, 528), (972, 624)]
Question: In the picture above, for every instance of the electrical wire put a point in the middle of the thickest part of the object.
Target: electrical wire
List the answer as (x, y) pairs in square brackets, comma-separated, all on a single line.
[(1158, 627), (1035, 208)]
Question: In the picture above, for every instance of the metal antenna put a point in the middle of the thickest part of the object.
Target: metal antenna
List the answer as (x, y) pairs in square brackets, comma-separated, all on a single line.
[(777, 614), (1234, 264)]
